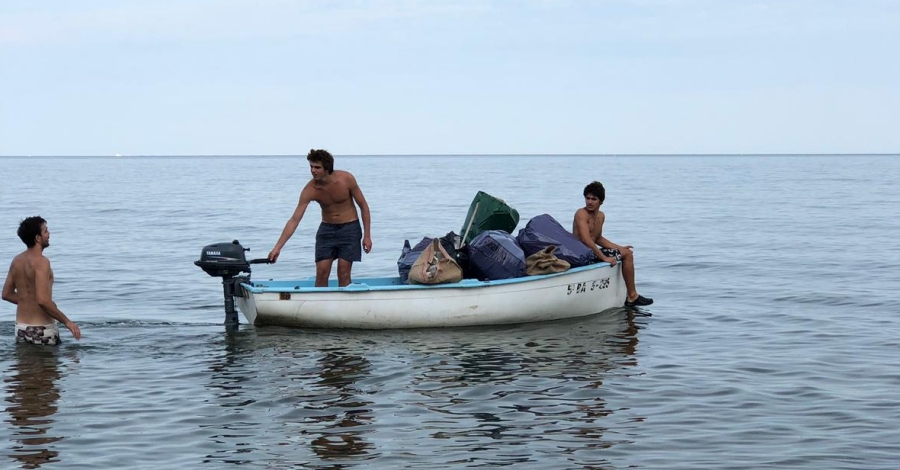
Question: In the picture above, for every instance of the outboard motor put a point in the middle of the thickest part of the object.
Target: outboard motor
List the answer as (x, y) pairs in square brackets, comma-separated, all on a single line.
[(227, 260)]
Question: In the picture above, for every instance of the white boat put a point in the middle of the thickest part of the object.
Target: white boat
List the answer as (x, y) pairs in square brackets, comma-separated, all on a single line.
[(385, 303), (388, 303)]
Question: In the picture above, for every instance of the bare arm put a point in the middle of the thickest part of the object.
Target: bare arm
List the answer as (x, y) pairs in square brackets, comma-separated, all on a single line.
[(9, 288), (291, 226), (43, 288), (607, 243), (364, 213)]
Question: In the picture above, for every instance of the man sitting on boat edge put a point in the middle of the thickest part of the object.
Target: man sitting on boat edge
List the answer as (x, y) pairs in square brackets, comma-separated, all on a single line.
[(588, 227)]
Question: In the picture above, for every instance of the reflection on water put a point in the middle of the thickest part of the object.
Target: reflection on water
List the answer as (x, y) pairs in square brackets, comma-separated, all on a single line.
[(32, 395), (230, 381), (541, 383), (316, 385), (444, 397), (347, 411), (228, 377)]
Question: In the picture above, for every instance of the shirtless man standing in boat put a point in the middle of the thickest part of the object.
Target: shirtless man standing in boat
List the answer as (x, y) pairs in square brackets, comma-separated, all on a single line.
[(588, 227), (339, 234), (29, 285)]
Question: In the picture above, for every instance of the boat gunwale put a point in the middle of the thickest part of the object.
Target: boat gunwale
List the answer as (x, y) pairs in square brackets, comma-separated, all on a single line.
[(361, 286)]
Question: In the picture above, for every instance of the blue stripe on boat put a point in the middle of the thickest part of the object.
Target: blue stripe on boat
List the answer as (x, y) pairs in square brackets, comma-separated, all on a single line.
[(392, 283)]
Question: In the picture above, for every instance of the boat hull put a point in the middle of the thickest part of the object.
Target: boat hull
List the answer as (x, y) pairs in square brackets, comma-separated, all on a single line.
[(384, 303)]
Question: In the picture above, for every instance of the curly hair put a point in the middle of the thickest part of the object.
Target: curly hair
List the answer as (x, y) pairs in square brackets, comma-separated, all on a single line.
[(595, 189), (29, 228), (321, 156)]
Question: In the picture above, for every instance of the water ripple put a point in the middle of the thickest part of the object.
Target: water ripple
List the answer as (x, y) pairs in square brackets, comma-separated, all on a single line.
[(771, 343)]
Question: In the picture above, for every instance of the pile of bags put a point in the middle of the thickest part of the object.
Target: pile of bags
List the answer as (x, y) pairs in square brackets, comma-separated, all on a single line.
[(488, 251)]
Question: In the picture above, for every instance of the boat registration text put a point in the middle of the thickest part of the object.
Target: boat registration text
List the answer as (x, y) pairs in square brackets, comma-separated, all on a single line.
[(582, 287)]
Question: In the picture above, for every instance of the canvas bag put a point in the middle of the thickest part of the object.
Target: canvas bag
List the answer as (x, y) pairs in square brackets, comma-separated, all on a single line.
[(435, 266), (545, 262), (408, 257)]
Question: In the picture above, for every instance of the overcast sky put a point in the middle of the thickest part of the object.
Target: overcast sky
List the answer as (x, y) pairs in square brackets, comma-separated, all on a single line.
[(261, 77)]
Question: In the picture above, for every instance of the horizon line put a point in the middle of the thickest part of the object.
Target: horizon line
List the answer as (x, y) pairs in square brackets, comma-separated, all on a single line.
[(467, 155)]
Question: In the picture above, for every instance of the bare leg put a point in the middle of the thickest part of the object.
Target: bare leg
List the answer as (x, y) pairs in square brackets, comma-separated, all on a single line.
[(344, 267), (628, 274), (323, 270)]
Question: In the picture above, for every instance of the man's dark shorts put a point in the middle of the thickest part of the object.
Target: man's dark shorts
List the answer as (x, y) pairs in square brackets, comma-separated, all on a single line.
[(342, 241)]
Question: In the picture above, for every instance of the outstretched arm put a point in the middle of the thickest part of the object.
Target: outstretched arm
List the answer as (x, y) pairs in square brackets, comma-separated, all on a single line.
[(291, 226), (366, 217), (9, 288), (43, 288)]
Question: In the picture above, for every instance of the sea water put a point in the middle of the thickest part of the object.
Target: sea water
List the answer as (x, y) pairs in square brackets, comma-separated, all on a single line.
[(772, 342)]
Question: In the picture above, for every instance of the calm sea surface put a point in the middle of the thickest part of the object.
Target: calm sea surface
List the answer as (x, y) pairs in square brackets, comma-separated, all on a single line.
[(773, 342)]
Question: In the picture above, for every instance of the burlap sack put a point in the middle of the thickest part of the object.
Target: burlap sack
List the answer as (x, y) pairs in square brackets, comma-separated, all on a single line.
[(435, 266), (545, 262)]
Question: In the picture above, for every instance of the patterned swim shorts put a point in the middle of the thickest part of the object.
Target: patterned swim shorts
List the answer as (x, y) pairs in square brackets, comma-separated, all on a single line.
[(611, 253), (38, 334)]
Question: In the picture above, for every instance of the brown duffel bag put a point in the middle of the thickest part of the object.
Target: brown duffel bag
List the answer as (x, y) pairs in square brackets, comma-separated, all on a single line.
[(435, 266), (545, 262)]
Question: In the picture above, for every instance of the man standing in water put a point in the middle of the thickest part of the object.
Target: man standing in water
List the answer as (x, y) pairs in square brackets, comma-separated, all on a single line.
[(588, 227), (339, 233), (29, 285)]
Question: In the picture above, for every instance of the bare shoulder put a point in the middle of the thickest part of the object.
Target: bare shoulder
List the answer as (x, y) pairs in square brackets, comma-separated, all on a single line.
[(27, 259), (581, 214), (308, 191), (40, 262), (347, 180), (15, 263), (28, 264), (344, 176)]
